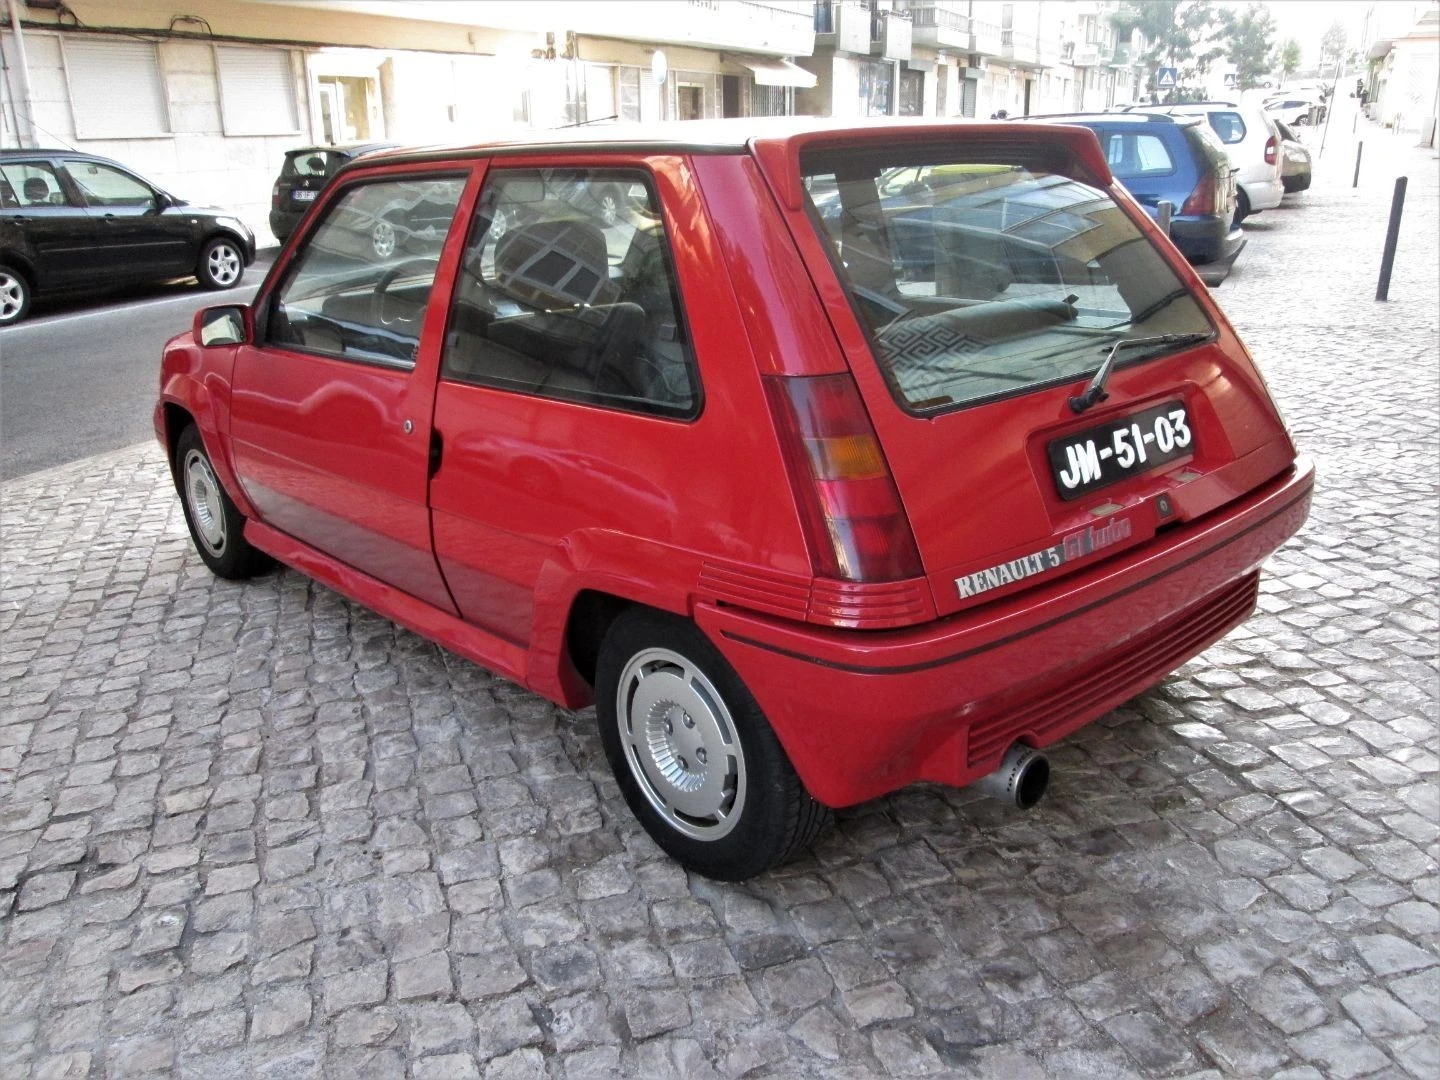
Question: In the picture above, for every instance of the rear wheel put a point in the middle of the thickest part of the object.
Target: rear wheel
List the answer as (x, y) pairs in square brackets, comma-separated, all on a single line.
[(216, 524), (1242, 205), (221, 264), (693, 754), (14, 296)]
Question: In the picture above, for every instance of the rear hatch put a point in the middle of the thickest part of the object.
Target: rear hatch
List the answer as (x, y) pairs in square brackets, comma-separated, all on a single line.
[(304, 174), (977, 279)]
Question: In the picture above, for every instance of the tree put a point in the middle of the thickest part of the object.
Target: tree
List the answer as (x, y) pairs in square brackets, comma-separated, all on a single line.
[(1290, 58), (1174, 30), (1249, 44), (1332, 45)]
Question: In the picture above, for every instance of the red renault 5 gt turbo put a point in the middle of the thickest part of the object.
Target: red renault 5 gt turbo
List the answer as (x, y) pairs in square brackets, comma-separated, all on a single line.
[(859, 454)]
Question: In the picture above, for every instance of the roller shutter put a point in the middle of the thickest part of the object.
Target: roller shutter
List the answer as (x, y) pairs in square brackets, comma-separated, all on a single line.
[(257, 91), (115, 89)]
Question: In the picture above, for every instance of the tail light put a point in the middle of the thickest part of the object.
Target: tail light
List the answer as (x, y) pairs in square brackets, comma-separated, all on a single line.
[(849, 505), (275, 197), (1271, 145), (1205, 197)]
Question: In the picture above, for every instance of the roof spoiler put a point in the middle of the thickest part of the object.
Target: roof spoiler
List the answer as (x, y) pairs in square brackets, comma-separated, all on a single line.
[(780, 157)]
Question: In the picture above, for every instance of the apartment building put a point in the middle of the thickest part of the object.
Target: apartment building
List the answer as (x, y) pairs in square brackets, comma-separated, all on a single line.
[(967, 58), (206, 102)]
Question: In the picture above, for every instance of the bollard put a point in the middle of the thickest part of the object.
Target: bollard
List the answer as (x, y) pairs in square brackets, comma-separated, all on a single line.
[(1164, 210), (1392, 236), (1359, 151)]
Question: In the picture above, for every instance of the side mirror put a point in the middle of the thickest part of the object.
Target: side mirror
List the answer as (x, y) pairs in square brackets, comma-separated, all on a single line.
[(215, 326)]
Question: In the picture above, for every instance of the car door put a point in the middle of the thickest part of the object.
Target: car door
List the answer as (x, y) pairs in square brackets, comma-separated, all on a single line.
[(568, 388), (331, 405), (57, 230), (135, 238)]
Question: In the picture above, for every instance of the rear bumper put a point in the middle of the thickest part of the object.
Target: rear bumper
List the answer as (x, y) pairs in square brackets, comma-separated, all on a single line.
[(282, 223), (861, 714), (1264, 194), (1209, 239)]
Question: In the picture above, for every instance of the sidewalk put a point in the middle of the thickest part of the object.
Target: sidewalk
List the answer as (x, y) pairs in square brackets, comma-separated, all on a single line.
[(256, 830)]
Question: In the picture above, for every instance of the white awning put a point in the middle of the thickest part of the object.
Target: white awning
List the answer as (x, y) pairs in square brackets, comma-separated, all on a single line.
[(777, 72)]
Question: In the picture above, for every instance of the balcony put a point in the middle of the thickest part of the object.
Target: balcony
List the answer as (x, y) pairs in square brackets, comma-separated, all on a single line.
[(890, 35), (987, 38), (940, 25), (1020, 48), (842, 26)]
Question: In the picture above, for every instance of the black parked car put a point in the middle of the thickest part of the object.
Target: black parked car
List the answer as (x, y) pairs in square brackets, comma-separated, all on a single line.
[(303, 175), (71, 221)]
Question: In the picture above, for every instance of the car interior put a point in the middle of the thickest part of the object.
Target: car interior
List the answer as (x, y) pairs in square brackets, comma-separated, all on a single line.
[(564, 306)]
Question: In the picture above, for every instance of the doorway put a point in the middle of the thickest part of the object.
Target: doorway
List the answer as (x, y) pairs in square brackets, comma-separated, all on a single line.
[(690, 101), (349, 108)]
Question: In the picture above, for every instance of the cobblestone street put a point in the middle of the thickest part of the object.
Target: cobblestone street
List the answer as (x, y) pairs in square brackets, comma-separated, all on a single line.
[(256, 829)]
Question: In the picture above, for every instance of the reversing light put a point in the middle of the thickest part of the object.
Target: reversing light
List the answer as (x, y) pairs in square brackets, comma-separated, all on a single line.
[(849, 505)]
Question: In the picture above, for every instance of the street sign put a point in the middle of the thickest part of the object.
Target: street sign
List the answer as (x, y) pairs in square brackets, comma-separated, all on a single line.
[(1165, 78)]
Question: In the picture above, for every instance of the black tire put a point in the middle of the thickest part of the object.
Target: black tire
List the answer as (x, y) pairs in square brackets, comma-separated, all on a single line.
[(769, 817), (14, 295), (221, 264), (216, 525), (1242, 205)]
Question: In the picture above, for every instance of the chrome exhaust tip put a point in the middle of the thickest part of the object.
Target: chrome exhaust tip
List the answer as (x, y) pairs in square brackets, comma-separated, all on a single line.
[(1021, 780)]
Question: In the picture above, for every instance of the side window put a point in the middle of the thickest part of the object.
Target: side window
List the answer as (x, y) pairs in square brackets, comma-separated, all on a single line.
[(104, 186), (1228, 126), (566, 290), (32, 183), (359, 288)]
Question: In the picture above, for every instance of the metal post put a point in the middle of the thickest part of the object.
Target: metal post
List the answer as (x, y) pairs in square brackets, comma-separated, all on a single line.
[(1329, 109), (1163, 212), (1359, 152), (1392, 236), (25, 113)]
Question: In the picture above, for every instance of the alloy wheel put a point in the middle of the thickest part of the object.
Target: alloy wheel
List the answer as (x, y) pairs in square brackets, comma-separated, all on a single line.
[(382, 238), (12, 297), (224, 264)]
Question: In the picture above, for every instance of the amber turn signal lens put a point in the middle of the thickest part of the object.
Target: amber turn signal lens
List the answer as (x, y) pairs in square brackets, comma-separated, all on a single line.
[(846, 457)]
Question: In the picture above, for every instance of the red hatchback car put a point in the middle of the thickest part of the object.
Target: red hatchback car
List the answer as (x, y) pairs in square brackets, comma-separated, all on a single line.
[(853, 455)]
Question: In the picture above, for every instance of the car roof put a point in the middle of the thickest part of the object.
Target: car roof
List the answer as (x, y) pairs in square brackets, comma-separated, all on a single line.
[(1111, 118), (732, 136)]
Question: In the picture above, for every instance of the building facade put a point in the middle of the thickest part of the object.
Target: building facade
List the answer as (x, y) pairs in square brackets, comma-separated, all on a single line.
[(968, 58), (206, 103)]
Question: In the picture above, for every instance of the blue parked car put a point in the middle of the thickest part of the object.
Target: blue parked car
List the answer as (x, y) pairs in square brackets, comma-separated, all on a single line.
[(1173, 159)]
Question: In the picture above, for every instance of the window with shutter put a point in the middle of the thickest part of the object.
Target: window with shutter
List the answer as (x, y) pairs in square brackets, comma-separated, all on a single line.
[(257, 91), (116, 90)]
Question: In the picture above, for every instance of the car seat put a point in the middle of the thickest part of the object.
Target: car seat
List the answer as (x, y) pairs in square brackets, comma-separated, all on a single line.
[(37, 191)]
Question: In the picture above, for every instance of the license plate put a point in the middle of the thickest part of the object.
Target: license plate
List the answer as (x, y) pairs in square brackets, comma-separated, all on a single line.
[(1104, 455), (303, 196)]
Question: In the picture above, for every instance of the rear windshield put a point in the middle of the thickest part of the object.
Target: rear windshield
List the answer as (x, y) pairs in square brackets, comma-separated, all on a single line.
[(979, 279), (312, 163)]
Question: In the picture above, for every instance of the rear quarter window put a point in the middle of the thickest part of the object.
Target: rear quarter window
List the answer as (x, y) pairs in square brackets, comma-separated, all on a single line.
[(1228, 126), (1136, 154)]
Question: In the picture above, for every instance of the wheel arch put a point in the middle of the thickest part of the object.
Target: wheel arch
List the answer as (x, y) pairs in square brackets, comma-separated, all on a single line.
[(184, 403), (22, 265)]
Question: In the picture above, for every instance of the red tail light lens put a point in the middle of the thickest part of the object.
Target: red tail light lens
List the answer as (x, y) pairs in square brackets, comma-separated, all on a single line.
[(1202, 200), (1272, 144), (848, 501), (275, 197)]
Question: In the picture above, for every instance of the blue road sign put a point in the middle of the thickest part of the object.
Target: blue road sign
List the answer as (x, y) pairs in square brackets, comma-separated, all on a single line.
[(1165, 78)]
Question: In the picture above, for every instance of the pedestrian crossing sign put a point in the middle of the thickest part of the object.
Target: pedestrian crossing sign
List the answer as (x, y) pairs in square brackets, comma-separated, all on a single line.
[(1165, 78)]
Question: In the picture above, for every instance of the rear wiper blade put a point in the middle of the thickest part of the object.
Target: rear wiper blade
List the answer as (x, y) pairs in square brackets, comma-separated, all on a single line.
[(1096, 390)]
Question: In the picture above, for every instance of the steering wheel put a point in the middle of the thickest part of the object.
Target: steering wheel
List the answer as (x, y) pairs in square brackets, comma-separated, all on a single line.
[(378, 312)]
